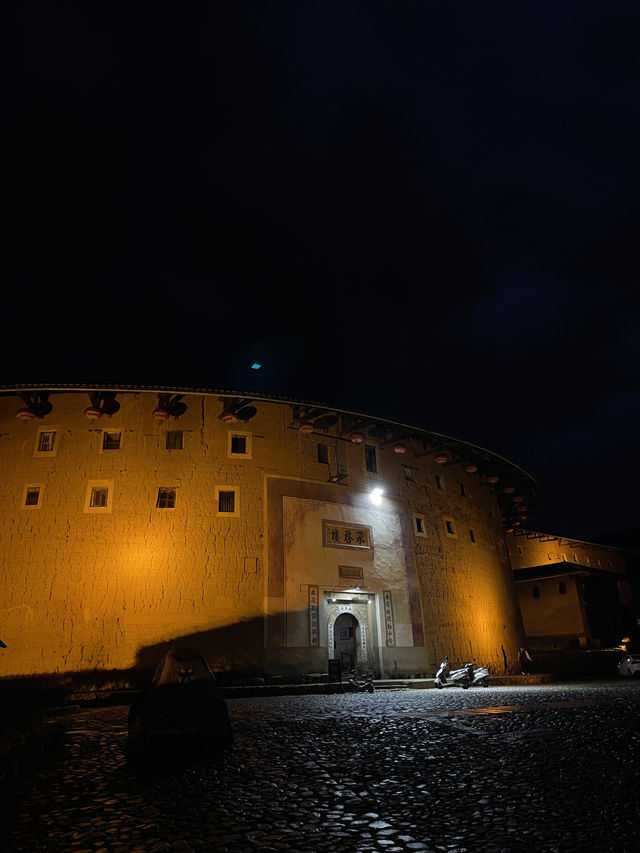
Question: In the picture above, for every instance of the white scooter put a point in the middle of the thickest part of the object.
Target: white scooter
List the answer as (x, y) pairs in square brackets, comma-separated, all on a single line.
[(466, 677)]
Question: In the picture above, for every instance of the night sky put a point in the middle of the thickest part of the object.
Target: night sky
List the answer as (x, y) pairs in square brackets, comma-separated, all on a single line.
[(427, 212)]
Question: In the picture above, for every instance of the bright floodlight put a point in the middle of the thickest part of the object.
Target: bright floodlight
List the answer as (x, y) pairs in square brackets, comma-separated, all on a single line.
[(376, 496)]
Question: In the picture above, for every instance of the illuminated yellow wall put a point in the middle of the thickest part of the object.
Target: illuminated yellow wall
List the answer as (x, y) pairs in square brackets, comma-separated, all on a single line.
[(92, 589), (546, 550), (100, 588), (550, 613), (468, 600)]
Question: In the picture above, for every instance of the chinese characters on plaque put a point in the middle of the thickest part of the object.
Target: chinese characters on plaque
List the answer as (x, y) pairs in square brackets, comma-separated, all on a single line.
[(388, 617), (314, 638), (337, 534)]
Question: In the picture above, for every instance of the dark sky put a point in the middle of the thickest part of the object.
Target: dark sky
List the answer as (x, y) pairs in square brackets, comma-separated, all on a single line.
[(423, 211)]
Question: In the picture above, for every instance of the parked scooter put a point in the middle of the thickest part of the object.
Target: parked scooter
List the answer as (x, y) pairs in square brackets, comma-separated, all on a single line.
[(359, 681), (465, 677)]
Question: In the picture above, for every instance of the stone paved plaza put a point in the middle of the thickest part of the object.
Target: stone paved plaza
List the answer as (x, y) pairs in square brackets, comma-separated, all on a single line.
[(539, 768)]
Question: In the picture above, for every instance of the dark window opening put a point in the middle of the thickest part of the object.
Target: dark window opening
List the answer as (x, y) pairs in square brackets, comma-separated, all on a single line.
[(323, 454), (419, 525), (438, 481), (450, 527), (174, 439), (166, 498), (472, 535), (99, 497), (226, 501), (370, 459), (111, 441), (239, 444), (46, 442), (536, 592), (32, 497), (562, 588), (462, 490)]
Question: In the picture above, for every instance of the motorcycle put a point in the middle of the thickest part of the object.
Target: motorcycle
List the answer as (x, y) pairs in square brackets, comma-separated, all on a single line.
[(359, 682), (465, 677)]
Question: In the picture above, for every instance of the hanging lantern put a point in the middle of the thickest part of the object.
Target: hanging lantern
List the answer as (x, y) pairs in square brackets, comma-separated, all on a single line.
[(492, 479), (25, 414), (522, 508), (305, 427), (470, 468), (160, 414), (229, 418), (508, 490), (508, 530), (356, 437), (399, 447), (517, 499), (441, 458), (516, 523), (93, 413)]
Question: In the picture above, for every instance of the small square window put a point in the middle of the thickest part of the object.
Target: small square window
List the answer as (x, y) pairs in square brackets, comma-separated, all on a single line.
[(239, 444), (323, 454), (166, 498), (46, 441), (32, 496), (173, 439), (226, 502), (99, 497), (110, 440)]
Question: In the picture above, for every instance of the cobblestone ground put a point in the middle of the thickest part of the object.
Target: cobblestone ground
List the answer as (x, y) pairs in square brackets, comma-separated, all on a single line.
[(548, 768)]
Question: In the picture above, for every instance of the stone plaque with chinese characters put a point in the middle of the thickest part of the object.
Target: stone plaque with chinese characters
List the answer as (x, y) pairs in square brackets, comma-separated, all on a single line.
[(389, 629), (314, 637), (338, 534)]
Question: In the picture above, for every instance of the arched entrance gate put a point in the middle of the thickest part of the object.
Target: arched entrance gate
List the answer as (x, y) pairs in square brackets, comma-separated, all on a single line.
[(351, 637)]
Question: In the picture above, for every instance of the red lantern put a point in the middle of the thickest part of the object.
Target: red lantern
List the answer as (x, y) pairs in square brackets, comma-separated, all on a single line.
[(471, 469), (441, 458), (492, 479), (508, 490), (517, 499), (399, 447), (229, 418), (160, 414), (305, 428), (357, 437), (523, 508), (25, 414), (93, 413)]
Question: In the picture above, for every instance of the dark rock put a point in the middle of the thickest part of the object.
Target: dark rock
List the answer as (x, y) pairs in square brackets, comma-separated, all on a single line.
[(181, 716)]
